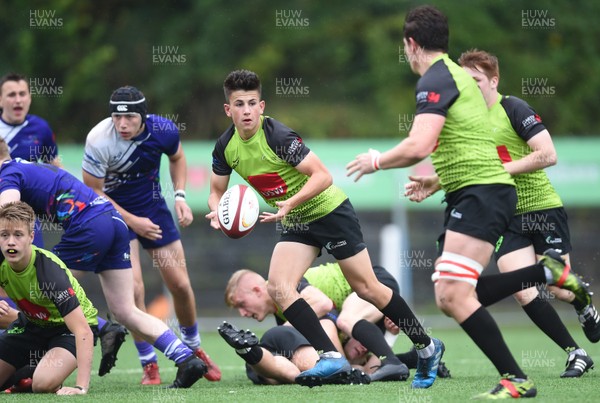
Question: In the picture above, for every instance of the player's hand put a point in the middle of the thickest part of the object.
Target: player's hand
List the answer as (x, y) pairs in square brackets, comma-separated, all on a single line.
[(184, 213), (421, 187), (4, 308), (214, 220), (284, 208), (144, 227), (67, 390), (365, 163), (391, 326)]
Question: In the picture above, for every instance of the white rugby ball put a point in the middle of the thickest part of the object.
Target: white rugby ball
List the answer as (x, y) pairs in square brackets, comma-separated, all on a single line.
[(238, 211)]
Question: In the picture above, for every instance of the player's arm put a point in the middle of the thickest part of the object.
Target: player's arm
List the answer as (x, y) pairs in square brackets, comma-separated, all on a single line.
[(84, 344), (318, 301), (542, 156), (178, 170), (218, 186), (142, 226), (418, 145), (9, 195), (319, 179)]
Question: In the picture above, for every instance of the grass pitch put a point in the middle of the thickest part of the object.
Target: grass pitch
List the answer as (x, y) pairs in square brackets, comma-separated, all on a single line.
[(471, 373)]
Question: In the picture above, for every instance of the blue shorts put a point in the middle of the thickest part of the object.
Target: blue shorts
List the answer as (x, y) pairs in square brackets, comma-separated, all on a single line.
[(98, 244), (164, 219)]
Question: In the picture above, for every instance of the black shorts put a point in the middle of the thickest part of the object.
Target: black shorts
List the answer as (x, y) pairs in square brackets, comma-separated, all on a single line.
[(279, 340), (338, 232), (481, 211), (24, 343), (544, 229)]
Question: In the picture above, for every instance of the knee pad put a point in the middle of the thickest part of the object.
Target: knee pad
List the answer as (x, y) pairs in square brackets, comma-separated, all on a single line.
[(453, 266)]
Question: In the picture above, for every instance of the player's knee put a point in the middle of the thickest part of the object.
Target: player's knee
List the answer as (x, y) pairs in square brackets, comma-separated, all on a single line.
[(345, 324), (180, 289), (446, 296)]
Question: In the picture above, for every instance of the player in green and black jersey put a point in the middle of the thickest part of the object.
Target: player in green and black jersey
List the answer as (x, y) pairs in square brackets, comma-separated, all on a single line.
[(526, 148), (314, 213), (54, 326), (452, 125)]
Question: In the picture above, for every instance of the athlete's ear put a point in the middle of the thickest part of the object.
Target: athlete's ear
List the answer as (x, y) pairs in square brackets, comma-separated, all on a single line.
[(227, 109), (494, 82)]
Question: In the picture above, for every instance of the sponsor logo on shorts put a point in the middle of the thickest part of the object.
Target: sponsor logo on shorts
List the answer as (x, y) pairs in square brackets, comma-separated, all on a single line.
[(552, 241), (331, 246)]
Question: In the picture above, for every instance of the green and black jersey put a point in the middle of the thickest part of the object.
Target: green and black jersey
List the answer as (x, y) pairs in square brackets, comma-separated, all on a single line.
[(267, 162), (514, 123), (465, 153), (45, 291)]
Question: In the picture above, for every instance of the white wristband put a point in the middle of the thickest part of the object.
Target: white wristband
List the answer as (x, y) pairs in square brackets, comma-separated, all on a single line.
[(180, 195), (375, 156)]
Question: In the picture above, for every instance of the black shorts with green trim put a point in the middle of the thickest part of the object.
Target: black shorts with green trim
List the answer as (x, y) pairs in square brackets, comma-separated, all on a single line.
[(542, 229)]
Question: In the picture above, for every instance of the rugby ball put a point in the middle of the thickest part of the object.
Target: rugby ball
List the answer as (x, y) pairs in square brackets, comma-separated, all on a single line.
[(238, 211)]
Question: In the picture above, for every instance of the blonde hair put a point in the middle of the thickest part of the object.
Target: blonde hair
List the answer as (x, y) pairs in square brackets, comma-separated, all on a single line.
[(232, 285), (18, 212)]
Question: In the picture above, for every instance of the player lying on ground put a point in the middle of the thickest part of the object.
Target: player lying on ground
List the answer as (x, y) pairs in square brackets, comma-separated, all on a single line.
[(327, 291)]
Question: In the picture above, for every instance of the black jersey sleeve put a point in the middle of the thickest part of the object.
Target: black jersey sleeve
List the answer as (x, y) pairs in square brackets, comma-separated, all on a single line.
[(219, 163), (525, 122), (55, 284), (436, 90), (284, 142)]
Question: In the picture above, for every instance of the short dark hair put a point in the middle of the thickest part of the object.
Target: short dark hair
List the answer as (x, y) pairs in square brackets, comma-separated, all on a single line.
[(482, 61), (428, 26), (13, 77), (244, 80)]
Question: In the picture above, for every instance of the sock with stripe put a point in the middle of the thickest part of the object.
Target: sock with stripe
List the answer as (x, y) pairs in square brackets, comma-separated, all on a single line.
[(173, 348)]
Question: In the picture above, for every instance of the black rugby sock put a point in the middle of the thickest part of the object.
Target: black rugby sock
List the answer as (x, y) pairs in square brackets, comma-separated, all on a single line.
[(495, 287), (370, 336), (401, 314), (303, 318), (545, 317), (484, 331)]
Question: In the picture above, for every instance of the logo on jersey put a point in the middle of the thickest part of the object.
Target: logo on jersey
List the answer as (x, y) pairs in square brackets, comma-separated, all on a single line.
[(531, 120), (428, 96), (270, 186), (121, 108), (33, 310), (296, 144)]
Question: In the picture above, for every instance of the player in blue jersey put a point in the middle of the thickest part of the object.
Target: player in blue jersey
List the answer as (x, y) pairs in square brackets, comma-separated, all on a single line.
[(28, 136), (122, 162), (95, 239)]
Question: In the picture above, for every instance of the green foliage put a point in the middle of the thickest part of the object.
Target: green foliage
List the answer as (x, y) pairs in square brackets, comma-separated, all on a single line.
[(346, 54)]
